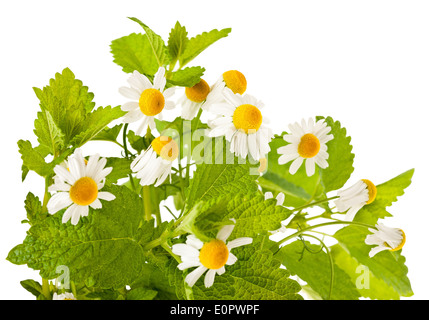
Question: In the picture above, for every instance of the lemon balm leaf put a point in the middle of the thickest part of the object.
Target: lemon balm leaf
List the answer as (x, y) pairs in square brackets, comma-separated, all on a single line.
[(386, 265), (366, 283), (134, 52), (48, 133), (187, 77), (199, 43), (102, 249), (314, 268), (157, 45), (387, 193), (68, 101), (340, 157), (177, 41), (213, 180), (95, 122)]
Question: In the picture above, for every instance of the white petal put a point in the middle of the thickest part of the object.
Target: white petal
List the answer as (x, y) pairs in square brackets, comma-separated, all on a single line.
[(159, 80), (129, 93), (194, 242), (96, 204), (310, 168), (133, 116), (268, 195), (239, 242), (69, 212), (295, 165), (129, 106), (280, 199), (192, 277), (231, 259), (225, 232), (209, 278), (185, 250), (188, 264), (58, 201), (253, 148), (64, 174), (104, 195)]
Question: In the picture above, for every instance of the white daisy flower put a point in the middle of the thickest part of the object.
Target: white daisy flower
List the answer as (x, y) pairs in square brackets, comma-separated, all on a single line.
[(354, 198), (63, 296), (155, 163), (240, 121), (306, 142), (199, 96), (280, 197), (149, 100), (385, 238), (211, 256), (234, 80), (78, 186)]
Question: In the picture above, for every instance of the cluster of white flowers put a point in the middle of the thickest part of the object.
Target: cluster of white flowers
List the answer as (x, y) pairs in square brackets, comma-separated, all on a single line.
[(238, 118)]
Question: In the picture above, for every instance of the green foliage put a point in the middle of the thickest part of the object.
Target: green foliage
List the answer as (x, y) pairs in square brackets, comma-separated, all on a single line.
[(124, 249), (312, 265)]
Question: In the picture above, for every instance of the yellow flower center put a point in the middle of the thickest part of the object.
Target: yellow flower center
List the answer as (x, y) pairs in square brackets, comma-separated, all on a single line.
[(247, 117), (309, 146), (235, 80), (199, 92), (399, 247), (165, 147), (151, 102), (84, 191), (372, 191), (214, 254)]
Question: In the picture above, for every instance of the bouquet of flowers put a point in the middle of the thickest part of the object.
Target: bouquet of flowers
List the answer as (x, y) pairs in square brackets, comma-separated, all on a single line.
[(247, 208)]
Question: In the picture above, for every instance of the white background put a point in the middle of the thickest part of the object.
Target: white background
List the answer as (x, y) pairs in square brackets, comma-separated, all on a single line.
[(365, 63)]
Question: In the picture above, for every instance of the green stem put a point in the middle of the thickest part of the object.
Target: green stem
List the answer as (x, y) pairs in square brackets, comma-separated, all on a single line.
[(331, 262), (322, 225), (124, 139), (314, 203), (146, 203), (45, 288)]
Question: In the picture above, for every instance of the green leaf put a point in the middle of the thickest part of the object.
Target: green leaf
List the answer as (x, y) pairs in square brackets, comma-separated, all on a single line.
[(33, 160), (32, 286), (134, 52), (48, 133), (33, 207), (366, 283), (387, 193), (315, 269), (121, 169), (198, 44), (213, 180), (252, 213), (109, 134), (187, 77), (139, 143), (156, 43), (177, 41), (96, 122), (386, 266), (103, 248), (141, 294), (255, 276), (340, 157), (299, 189), (67, 101)]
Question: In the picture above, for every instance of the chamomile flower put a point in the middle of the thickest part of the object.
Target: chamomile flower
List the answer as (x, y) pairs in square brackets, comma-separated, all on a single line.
[(306, 142), (280, 197), (385, 238), (240, 121), (63, 296), (199, 96), (148, 100), (234, 80), (154, 165), (355, 197), (211, 256), (78, 186)]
